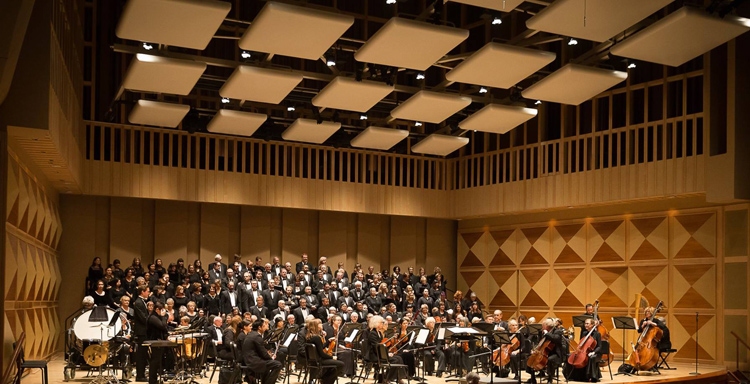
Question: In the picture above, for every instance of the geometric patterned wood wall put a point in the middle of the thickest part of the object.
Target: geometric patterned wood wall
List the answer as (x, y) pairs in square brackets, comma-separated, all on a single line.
[(555, 268), (32, 273)]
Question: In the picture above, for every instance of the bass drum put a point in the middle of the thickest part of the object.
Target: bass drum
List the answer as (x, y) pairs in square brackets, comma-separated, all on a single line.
[(92, 330)]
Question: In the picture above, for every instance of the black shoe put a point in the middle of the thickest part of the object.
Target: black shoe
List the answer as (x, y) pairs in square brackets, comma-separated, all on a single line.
[(141, 380), (440, 374)]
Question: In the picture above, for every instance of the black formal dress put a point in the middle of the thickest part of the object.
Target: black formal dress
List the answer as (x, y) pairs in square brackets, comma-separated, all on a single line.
[(373, 341), (332, 368)]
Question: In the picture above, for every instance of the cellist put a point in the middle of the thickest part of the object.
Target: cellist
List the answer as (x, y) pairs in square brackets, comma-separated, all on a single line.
[(555, 335), (437, 352), (590, 372), (515, 356)]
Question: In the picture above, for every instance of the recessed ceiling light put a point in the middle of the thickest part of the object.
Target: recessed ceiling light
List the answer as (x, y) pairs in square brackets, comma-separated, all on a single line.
[(572, 41), (497, 21), (363, 117), (389, 2), (482, 90), (420, 76), (330, 63), (148, 46), (538, 102), (631, 66), (245, 55), (418, 124), (225, 100), (290, 108)]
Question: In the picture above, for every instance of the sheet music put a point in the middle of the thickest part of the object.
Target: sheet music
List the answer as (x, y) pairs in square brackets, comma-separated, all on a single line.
[(422, 336), (289, 339), (441, 334), (352, 336), (462, 330)]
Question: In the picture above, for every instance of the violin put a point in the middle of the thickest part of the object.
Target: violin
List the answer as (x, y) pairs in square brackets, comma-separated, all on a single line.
[(645, 352), (331, 348), (398, 343), (580, 358)]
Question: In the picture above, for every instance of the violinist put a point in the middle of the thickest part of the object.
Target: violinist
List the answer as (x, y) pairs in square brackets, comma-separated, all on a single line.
[(332, 368), (335, 331), (590, 372), (436, 352), (375, 337), (403, 339)]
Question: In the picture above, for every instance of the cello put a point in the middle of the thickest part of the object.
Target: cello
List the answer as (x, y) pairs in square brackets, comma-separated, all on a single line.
[(645, 352), (580, 358), (506, 350), (606, 356), (540, 354)]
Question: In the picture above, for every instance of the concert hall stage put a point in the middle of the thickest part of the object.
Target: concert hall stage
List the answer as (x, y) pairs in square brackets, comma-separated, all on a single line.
[(709, 374)]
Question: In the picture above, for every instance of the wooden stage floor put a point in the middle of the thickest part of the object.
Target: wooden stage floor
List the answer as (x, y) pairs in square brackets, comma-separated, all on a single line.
[(709, 374)]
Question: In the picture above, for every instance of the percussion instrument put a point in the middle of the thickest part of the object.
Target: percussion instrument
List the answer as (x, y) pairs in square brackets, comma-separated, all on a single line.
[(192, 345), (96, 330), (95, 355)]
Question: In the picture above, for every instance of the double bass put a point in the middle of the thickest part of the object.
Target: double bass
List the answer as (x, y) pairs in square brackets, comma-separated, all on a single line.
[(540, 354), (646, 352), (580, 358)]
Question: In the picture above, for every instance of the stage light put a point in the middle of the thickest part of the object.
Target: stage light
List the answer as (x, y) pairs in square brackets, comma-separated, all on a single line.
[(572, 41), (418, 124), (497, 21), (225, 100), (148, 46), (482, 90), (363, 117), (420, 76), (631, 66), (290, 108), (538, 102), (245, 55), (389, 2), (330, 63)]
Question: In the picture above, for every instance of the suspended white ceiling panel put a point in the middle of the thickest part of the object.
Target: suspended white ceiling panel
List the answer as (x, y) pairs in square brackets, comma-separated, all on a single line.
[(498, 5), (162, 74), (410, 44), (497, 118), (573, 84), (309, 131), (681, 36), (379, 138), (500, 65), (440, 145), (604, 18), (259, 84), (290, 30), (147, 112), (351, 95), (183, 23), (432, 107), (236, 122)]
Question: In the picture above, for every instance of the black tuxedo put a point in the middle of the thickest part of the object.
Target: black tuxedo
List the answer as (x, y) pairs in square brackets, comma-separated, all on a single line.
[(213, 275), (257, 358), (271, 298), (226, 302), (322, 314), (248, 298), (283, 314), (299, 317), (301, 265), (260, 313), (348, 300), (358, 295)]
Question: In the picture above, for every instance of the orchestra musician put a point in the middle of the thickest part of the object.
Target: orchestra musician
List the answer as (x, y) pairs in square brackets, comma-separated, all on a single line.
[(157, 330), (515, 356), (589, 312), (461, 350), (551, 332), (437, 352), (328, 362), (665, 342), (590, 372), (403, 339), (334, 331), (375, 337), (257, 357), (140, 327)]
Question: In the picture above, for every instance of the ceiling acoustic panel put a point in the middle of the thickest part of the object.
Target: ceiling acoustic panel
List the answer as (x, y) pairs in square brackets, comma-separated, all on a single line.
[(603, 18), (238, 123), (573, 84), (309, 131), (431, 107), (497, 5), (290, 30), (681, 36), (410, 44), (500, 65), (497, 118), (259, 84), (147, 112), (379, 138), (439, 145), (183, 23), (351, 95), (162, 74)]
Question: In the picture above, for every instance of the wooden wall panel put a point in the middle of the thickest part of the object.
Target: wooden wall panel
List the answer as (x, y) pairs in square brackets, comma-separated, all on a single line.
[(126, 221), (674, 256), (219, 231), (255, 232), (171, 230), (333, 243), (404, 240), (296, 234), (373, 242)]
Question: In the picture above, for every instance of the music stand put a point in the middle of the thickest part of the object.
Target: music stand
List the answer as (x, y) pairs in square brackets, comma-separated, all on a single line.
[(420, 345), (534, 329), (624, 323)]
